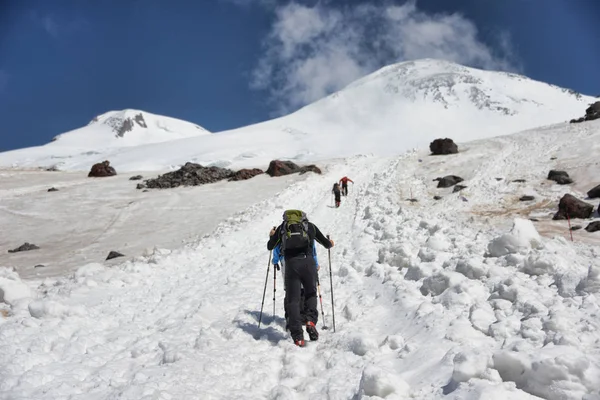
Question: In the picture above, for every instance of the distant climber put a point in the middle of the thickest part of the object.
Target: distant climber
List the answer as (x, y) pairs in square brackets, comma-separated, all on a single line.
[(297, 236), (336, 193), (344, 182)]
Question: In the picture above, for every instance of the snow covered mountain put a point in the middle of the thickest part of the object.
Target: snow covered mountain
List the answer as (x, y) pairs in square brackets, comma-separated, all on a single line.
[(106, 134), (397, 108), (128, 128)]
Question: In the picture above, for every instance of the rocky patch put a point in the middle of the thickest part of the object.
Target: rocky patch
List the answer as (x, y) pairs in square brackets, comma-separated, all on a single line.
[(190, 174), (53, 189), (458, 188), (102, 169), (136, 178), (24, 247), (571, 207), (443, 147), (244, 174), (526, 198)]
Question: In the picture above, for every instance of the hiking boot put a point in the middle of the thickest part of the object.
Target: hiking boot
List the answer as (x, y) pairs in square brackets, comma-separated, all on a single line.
[(300, 343), (311, 329)]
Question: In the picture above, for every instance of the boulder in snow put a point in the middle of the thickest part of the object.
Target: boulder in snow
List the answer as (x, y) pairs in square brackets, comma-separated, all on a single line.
[(594, 193), (593, 227), (24, 247), (526, 198), (244, 174), (280, 168), (136, 178), (437, 197), (458, 188), (102, 169), (519, 180), (443, 147), (448, 180), (114, 254), (53, 189), (571, 207), (560, 177)]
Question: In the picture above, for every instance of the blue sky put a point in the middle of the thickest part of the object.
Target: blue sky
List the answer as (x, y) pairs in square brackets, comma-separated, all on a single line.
[(228, 63)]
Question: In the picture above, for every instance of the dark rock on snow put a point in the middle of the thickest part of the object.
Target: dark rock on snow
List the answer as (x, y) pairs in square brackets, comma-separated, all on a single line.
[(136, 178), (458, 188), (499, 179), (24, 247), (53, 189), (244, 174), (526, 198), (140, 186), (39, 266), (576, 227), (594, 193), (101, 170), (443, 146), (571, 207), (519, 180), (190, 174), (448, 180), (593, 227), (437, 197), (560, 177), (114, 254), (310, 168), (280, 168)]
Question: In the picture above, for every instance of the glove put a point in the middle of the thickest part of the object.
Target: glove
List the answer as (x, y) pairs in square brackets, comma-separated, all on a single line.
[(277, 267)]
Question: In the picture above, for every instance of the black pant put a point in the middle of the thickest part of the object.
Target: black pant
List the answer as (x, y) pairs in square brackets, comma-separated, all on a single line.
[(345, 189), (300, 271)]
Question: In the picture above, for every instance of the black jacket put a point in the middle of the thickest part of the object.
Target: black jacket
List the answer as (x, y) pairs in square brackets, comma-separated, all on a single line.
[(314, 234)]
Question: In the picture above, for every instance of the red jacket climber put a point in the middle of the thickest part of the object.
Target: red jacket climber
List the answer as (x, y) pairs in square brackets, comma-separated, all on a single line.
[(344, 182)]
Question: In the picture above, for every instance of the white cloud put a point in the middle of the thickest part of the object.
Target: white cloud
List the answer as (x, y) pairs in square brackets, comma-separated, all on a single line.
[(313, 51)]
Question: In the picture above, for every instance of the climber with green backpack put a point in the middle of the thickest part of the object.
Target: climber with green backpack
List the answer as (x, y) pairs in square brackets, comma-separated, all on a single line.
[(296, 237)]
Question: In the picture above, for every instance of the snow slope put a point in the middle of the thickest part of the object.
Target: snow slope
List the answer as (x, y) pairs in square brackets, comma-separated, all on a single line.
[(397, 108), (106, 134), (452, 299)]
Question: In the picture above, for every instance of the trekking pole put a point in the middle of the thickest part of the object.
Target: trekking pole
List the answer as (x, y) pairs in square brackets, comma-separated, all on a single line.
[(265, 291), (274, 288), (331, 282), (321, 300)]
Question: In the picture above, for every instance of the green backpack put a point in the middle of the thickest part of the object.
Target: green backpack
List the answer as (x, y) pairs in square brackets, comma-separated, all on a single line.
[(294, 231)]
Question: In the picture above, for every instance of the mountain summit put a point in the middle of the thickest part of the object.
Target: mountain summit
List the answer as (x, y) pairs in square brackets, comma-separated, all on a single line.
[(394, 109), (129, 128)]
